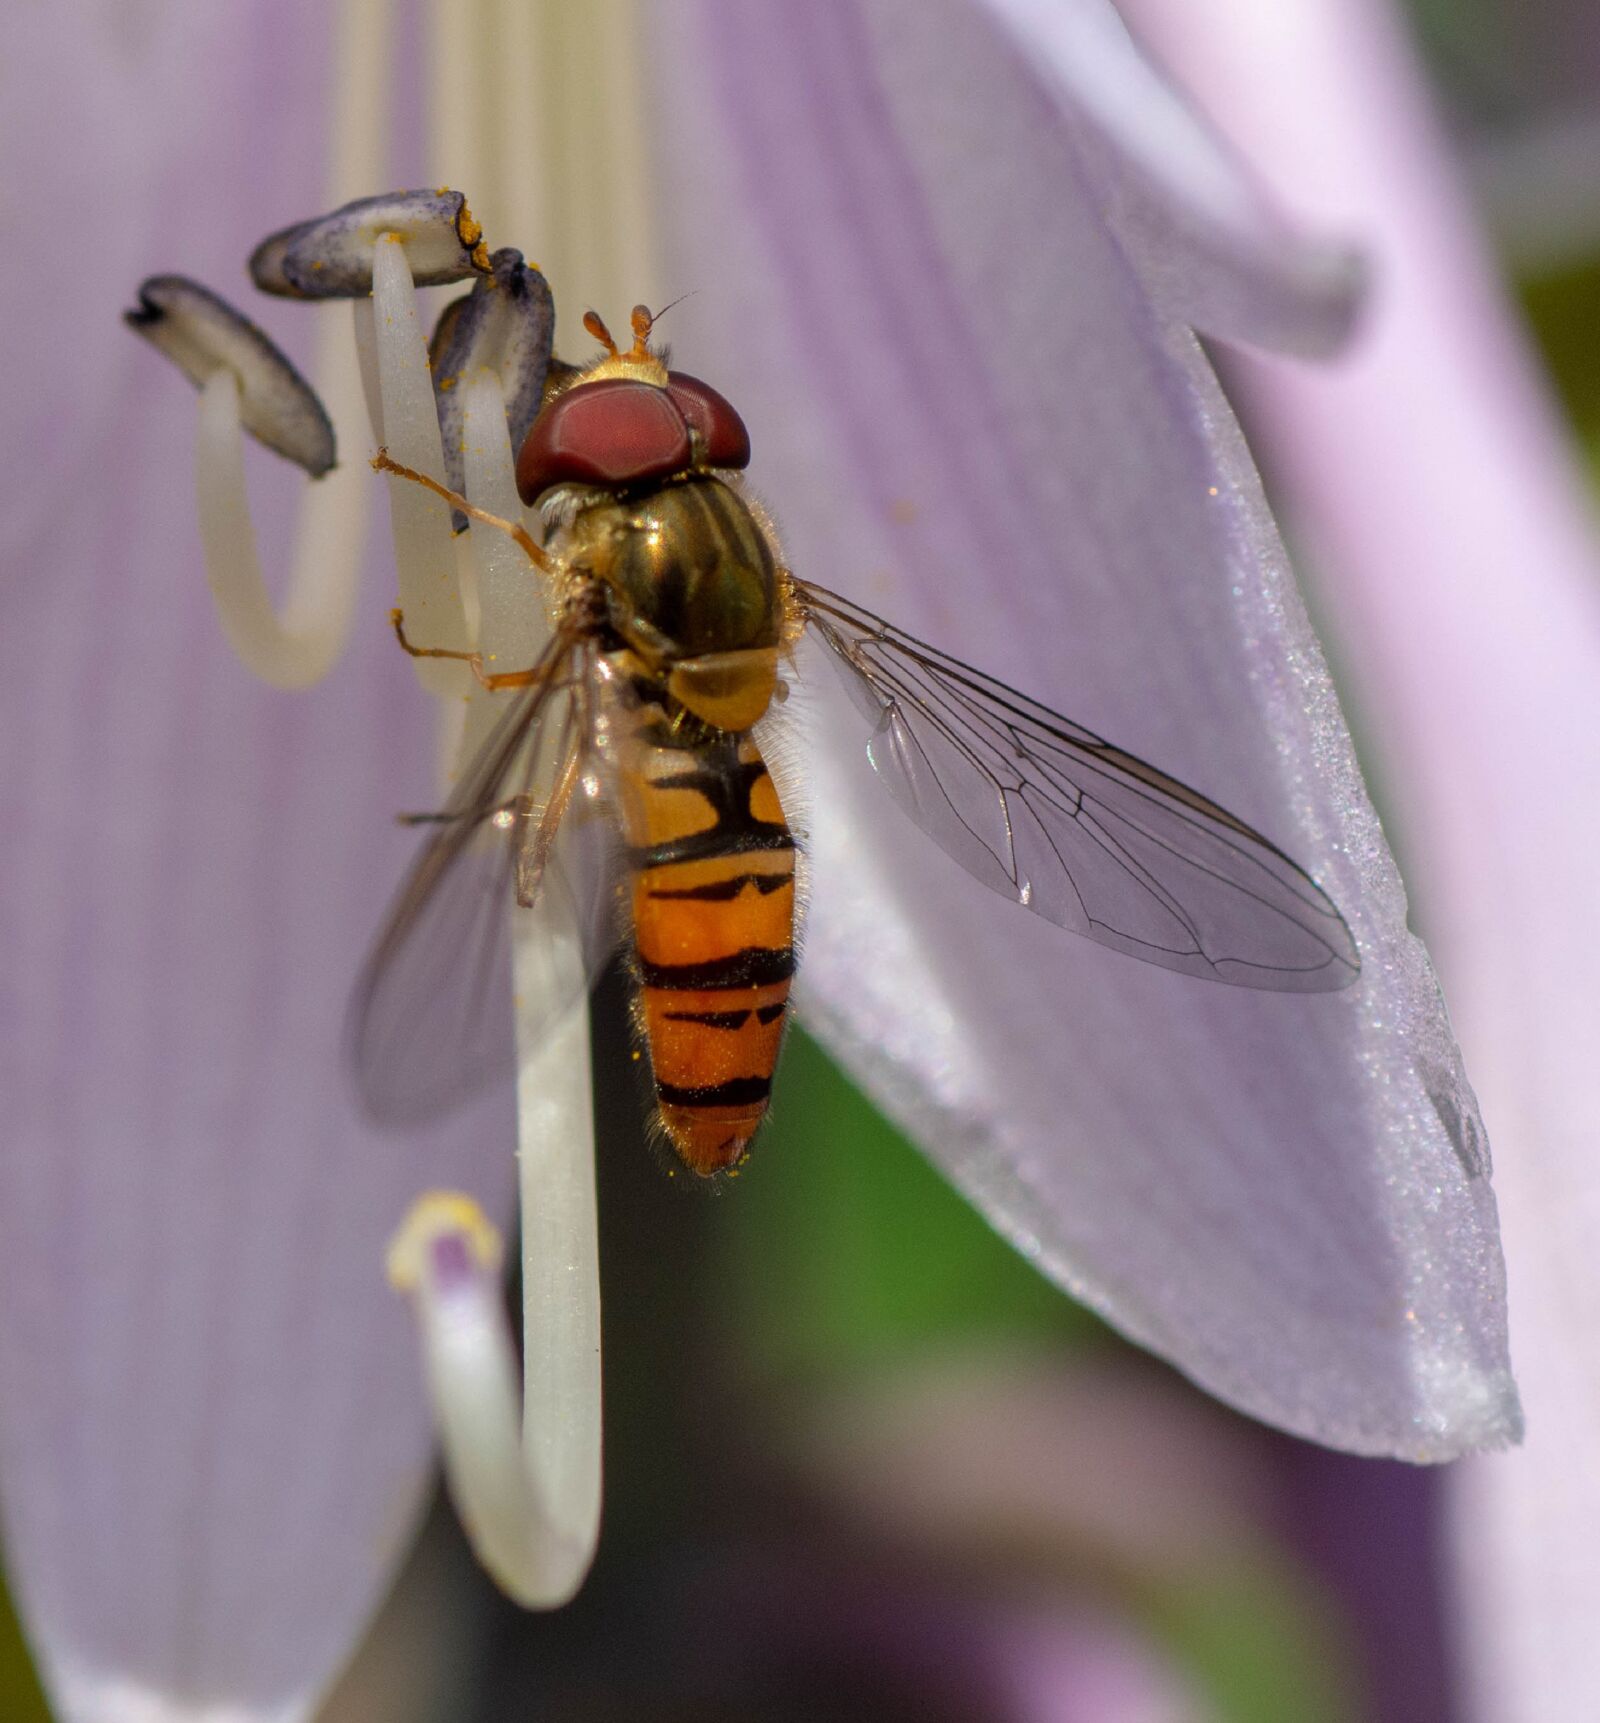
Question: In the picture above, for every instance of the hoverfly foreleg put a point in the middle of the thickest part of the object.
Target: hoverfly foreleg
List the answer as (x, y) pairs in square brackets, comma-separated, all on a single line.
[(514, 530)]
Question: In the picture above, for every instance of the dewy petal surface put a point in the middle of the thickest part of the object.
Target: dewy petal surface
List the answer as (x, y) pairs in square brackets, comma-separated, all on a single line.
[(972, 417), (212, 1434)]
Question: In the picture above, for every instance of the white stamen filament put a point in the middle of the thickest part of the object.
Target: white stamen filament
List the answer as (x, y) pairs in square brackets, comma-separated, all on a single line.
[(305, 645), (424, 554), (544, 1546), (302, 646), (523, 1468)]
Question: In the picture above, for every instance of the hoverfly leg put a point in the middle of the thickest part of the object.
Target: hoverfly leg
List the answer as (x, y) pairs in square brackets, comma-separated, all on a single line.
[(514, 530), (534, 853), (493, 680)]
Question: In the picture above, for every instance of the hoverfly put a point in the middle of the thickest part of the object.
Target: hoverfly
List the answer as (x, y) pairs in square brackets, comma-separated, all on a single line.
[(675, 612)]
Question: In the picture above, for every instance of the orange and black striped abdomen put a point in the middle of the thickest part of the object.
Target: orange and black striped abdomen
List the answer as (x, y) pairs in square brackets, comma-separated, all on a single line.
[(713, 911)]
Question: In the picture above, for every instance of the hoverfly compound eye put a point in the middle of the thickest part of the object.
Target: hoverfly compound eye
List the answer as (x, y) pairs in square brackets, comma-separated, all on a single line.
[(726, 442), (614, 432)]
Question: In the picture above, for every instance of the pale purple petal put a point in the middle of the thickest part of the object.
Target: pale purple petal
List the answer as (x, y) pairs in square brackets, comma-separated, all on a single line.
[(1210, 249), (1460, 563), (212, 1436), (971, 416)]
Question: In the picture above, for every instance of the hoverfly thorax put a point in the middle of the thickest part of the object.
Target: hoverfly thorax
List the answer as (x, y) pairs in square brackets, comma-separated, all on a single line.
[(687, 564), (696, 588)]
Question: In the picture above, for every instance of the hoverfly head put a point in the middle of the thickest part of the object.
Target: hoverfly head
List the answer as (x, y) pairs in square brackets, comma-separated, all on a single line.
[(627, 420), (638, 365)]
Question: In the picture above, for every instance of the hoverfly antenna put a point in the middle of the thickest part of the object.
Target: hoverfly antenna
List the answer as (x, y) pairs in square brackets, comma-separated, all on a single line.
[(670, 303), (643, 323), (595, 324)]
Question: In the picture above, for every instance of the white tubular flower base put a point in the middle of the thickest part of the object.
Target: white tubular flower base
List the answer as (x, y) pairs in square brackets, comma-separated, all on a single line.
[(302, 647)]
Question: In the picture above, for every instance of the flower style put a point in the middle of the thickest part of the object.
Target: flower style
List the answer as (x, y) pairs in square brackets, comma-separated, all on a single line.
[(949, 260)]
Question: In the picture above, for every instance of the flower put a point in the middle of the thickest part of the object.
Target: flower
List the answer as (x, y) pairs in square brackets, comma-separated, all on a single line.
[(946, 265)]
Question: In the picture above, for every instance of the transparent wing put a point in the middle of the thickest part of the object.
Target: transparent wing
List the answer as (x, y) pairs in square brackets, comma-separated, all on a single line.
[(430, 1022), (1076, 830)]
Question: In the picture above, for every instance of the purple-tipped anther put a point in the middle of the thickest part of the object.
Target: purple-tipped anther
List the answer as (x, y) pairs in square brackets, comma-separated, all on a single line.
[(504, 325), (203, 334), (330, 256)]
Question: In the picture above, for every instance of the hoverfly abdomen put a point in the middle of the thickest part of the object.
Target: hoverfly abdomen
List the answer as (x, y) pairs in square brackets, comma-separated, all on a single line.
[(713, 912)]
